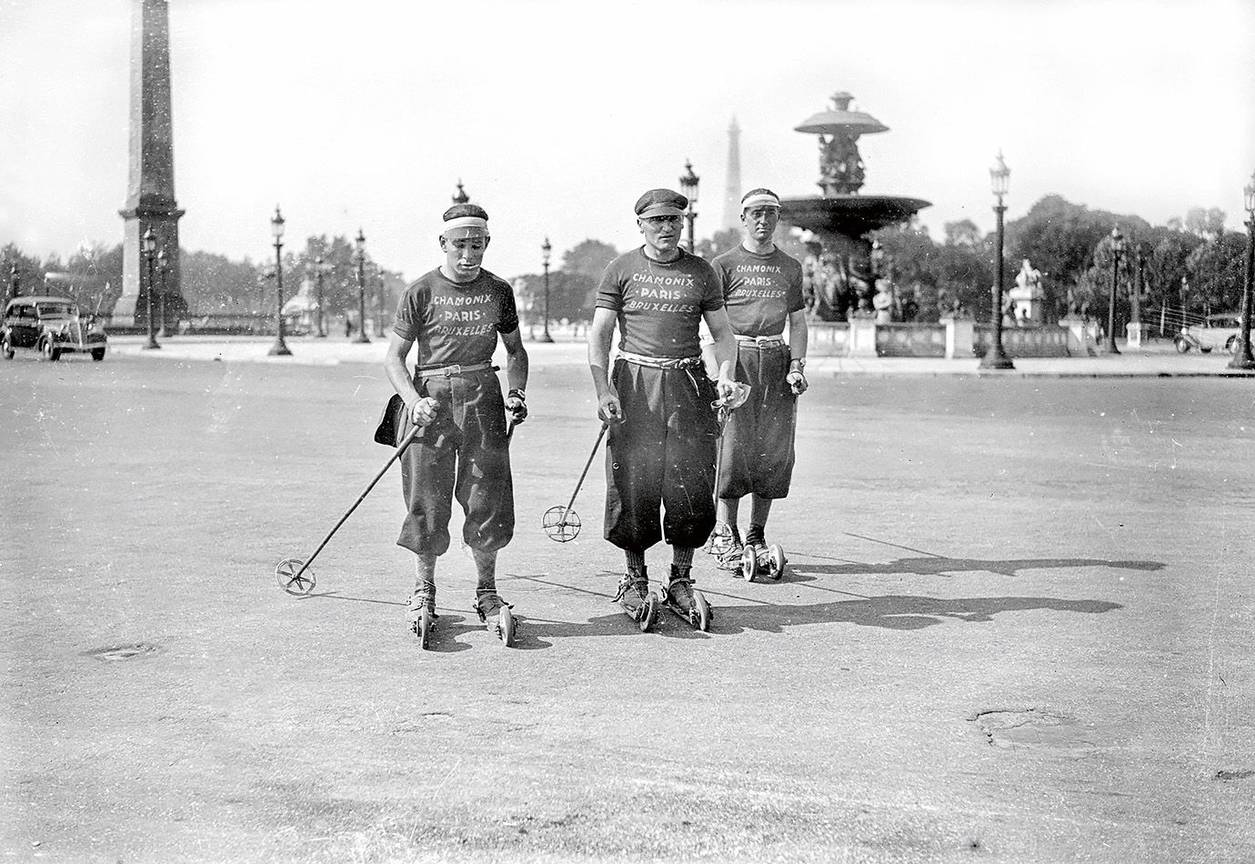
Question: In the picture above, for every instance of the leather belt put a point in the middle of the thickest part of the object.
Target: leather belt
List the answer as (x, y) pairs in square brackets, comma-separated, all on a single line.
[(760, 341), (660, 362), (455, 369)]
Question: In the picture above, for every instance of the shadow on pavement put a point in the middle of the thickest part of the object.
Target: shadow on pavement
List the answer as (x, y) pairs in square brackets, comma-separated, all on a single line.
[(941, 566), (889, 611), (894, 612)]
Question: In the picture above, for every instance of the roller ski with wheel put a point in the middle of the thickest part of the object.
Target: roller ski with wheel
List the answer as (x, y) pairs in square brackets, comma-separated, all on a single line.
[(760, 561), (640, 604), (690, 605), (421, 615), (494, 613)]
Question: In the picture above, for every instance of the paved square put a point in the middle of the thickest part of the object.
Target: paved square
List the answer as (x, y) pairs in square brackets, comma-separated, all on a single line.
[(1017, 625)]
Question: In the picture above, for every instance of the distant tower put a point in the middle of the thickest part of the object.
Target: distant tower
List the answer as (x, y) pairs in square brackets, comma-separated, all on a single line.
[(150, 190), (732, 193)]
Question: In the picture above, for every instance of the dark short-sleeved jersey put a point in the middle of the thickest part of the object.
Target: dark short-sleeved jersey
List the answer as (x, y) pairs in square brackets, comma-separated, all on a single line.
[(455, 322), (759, 291), (659, 305)]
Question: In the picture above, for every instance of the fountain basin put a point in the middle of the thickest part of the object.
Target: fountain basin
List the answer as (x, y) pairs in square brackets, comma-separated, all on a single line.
[(850, 215)]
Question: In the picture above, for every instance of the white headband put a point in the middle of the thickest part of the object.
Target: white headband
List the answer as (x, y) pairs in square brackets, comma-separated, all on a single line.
[(474, 222), (761, 199)]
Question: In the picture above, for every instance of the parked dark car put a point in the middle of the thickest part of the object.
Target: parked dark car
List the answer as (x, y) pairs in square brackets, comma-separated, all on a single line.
[(51, 326)]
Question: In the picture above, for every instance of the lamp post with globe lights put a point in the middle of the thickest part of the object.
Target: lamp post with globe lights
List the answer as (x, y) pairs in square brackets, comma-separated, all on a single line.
[(162, 266), (359, 256), (545, 249), (1242, 357), (688, 188), (320, 270), (1117, 248), (280, 348), (150, 253), (995, 357)]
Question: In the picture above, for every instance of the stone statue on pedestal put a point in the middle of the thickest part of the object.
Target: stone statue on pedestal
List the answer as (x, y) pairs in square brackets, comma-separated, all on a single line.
[(1027, 297)]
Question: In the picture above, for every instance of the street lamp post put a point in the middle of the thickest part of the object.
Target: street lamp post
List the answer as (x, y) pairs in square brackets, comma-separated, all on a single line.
[(1117, 246), (15, 281), (1242, 357), (360, 255), (280, 348), (319, 269), (150, 252), (688, 188), (995, 357), (162, 264), (545, 249), (382, 305)]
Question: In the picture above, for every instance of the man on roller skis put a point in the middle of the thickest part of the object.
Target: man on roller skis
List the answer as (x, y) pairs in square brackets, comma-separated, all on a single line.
[(454, 315), (762, 290), (660, 456)]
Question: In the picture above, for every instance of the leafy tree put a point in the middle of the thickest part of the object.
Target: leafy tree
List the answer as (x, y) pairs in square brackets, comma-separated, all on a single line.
[(1216, 271), (29, 271), (571, 297), (720, 242), (1207, 223), (588, 257), (963, 234), (214, 284)]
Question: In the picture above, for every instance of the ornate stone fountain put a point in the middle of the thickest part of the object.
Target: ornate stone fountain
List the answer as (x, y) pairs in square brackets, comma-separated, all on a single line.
[(841, 219)]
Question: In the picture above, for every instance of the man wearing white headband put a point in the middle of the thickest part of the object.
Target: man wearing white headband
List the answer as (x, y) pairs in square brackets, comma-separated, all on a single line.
[(660, 456), (454, 315), (762, 290)]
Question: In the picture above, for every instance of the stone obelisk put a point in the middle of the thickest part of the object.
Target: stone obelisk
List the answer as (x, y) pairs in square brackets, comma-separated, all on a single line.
[(732, 192), (150, 188)]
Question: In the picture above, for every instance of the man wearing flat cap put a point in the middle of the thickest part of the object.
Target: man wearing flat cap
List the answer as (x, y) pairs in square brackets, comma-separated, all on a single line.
[(762, 292), (660, 460), (454, 316)]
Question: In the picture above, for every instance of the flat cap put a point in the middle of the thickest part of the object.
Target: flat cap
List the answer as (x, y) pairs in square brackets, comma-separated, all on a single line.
[(661, 202)]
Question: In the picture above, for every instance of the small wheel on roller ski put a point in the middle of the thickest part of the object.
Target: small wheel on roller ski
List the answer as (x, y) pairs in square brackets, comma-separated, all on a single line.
[(649, 612), (561, 524), (702, 612), (505, 626), (291, 579), (749, 563), (423, 628), (776, 553)]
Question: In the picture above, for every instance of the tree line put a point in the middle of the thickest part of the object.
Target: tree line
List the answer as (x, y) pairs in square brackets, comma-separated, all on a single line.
[(1191, 265), (212, 284)]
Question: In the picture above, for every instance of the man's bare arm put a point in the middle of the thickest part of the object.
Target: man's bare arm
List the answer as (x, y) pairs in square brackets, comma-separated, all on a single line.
[(600, 335)]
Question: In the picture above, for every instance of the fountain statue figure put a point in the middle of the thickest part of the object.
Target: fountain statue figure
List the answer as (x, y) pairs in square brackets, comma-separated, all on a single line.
[(840, 220)]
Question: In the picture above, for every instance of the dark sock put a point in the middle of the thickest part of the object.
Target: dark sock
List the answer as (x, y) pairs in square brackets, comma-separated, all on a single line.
[(681, 557), (635, 559), (755, 535), (485, 571)]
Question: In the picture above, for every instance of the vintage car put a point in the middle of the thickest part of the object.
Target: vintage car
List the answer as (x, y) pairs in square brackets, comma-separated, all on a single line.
[(51, 326), (1215, 331)]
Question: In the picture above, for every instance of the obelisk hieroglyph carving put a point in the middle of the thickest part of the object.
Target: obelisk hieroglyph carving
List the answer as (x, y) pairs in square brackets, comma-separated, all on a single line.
[(150, 188)]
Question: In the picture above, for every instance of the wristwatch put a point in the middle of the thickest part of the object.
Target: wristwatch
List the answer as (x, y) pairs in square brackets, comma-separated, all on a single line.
[(517, 392), (800, 361)]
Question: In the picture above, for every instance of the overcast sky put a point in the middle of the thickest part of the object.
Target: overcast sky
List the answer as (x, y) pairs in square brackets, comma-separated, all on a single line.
[(557, 115)]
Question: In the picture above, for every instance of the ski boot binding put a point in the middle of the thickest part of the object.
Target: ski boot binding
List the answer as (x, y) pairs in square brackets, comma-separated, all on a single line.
[(420, 614), (690, 605), (495, 613), (637, 600)]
